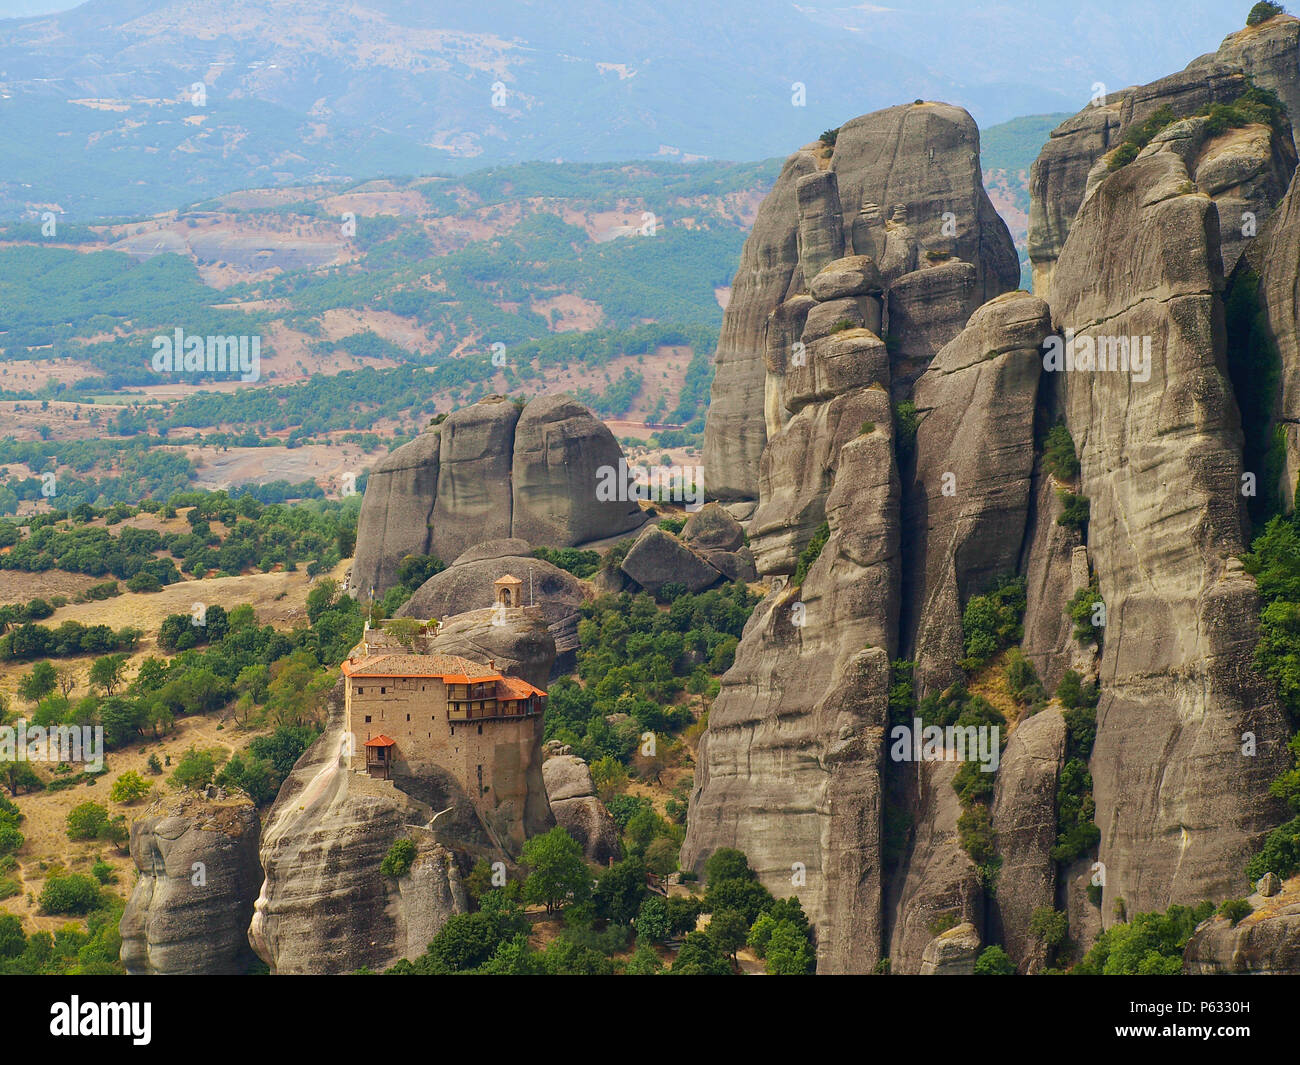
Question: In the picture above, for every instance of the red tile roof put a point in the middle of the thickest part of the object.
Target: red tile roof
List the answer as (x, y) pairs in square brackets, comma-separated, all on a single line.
[(449, 668), (510, 688), (381, 741)]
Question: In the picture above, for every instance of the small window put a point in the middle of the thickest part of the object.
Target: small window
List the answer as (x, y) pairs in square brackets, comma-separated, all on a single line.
[(367, 719), (383, 691), (408, 717), (480, 730), (361, 691)]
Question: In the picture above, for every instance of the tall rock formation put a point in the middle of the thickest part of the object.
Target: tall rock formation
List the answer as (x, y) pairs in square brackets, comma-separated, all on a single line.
[(188, 914), (1267, 55), (790, 768), (969, 498), (1276, 262), (1161, 464), (490, 471), (922, 162)]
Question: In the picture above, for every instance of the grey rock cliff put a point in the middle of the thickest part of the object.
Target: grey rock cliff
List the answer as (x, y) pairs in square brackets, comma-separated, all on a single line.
[(189, 910), (790, 768), (920, 159), (577, 809), (1161, 465), (490, 472), (940, 880), (1024, 818), (1268, 54), (969, 497)]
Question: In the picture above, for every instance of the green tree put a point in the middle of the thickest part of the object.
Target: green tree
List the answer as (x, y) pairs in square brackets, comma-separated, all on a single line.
[(195, 769), (399, 859), (788, 952), (558, 874), (107, 671), (699, 957), (727, 863), (652, 921), (40, 682), (620, 890), (993, 961), (1263, 11), (86, 821), (728, 930), (71, 894), (18, 775), (130, 787)]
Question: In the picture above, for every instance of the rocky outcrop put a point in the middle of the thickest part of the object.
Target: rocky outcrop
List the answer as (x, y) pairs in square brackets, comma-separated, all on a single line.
[(1277, 264), (940, 881), (467, 584), (766, 277), (394, 519), (1268, 55), (952, 953), (1024, 818), (1161, 465), (324, 906), (790, 768), (559, 448), (1055, 566), (927, 309), (490, 471), (188, 914), (922, 160), (577, 809), (1264, 943), (659, 558), (799, 470), (969, 497)]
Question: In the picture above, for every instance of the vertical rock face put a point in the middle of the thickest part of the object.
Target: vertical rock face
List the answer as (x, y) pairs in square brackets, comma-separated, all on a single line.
[(1279, 294), (969, 497), (189, 911), (1052, 576), (475, 500), (559, 449), (940, 880), (927, 309), (789, 770), (1267, 54), (395, 513), (1024, 818), (1059, 176), (733, 435), (922, 160), (490, 472), (1161, 463), (821, 221)]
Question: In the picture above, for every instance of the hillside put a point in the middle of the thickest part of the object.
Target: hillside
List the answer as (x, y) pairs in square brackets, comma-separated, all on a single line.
[(119, 107)]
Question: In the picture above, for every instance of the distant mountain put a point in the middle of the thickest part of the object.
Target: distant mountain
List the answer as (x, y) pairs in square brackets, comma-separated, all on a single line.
[(127, 106)]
